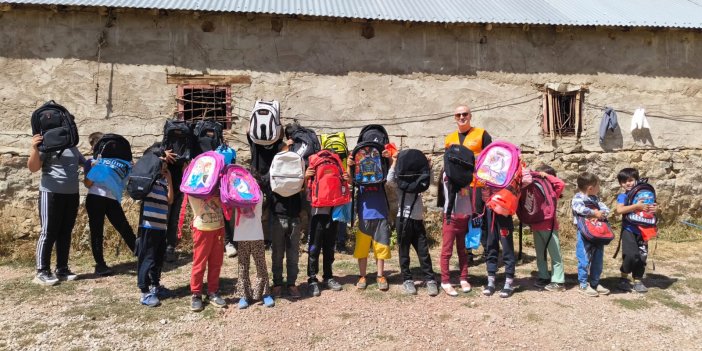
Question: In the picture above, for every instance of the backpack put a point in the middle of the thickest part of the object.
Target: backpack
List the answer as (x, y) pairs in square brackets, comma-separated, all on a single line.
[(239, 188), (305, 143), (201, 178), (287, 174), (375, 133), (370, 166), (337, 143), (264, 125), (327, 187), (56, 125), (113, 146), (641, 191), (205, 143), (594, 230), (413, 176), (145, 173), (459, 164), (537, 203), (178, 137), (228, 153), (498, 164)]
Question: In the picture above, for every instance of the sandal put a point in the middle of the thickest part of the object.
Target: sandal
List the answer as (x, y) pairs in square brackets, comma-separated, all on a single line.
[(506, 292), (449, 290), (489, 290), (465, 286)]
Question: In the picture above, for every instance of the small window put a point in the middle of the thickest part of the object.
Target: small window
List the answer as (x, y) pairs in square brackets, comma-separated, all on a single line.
[(201, 102), (562, 113)]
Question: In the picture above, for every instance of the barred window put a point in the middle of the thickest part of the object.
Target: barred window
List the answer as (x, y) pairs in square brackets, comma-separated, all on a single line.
[(202, 102)]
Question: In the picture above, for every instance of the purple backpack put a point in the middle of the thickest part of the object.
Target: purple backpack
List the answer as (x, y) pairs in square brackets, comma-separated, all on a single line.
[(497, 164), (201, 178), (537, 202), (239, 188)]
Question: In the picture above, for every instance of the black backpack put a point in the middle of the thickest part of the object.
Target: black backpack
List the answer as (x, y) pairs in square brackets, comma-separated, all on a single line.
[(413, 175), (203, 141), (375, 133), (145, 173), (305, 142), (113, 146), (178, 137), (459, 164), (56, 125)]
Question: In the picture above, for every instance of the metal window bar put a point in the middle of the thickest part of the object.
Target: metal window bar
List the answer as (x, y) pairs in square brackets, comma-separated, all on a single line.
[(205, 102)]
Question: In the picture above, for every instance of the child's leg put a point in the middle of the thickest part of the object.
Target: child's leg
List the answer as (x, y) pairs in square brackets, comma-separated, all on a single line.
[(630, 251), (314, 247), (243, 283), (341, 233), (419, 241), (159, 239), (583, 260), (596, 265), (215, 259), (279, 227), (260, 287), (493, 243), (540, 238), (640, 267), (449, 233), (360, 252), (116, 216), (382, 253), (292, 251), (69, 211), (506, 229), (554, 250), (405, 238), (50, 220), (145, 260), (328, 242), (200, 250), (96, 206)]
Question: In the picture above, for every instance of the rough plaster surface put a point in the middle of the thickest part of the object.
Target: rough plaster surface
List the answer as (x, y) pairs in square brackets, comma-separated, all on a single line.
[(329, 77)]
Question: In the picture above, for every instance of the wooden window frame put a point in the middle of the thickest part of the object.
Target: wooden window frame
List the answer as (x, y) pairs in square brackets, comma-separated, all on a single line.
[(553, 119), (228, 100)]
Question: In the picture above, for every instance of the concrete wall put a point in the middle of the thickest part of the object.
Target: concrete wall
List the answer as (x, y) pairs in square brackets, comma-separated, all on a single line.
[(329, 77)]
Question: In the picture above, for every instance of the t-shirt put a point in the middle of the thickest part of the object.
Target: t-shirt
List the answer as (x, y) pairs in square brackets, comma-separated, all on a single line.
[(286, 206), (60, 174), (372, 202), (154, 208), (417, 210), (463, 207), (208, 213), (626, 225), (248, 228)]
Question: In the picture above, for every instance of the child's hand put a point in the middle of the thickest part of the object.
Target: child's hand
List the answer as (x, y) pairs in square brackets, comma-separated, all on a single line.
[(386, 153), (350, 162), (597, 213), (652, 208), (165, 172), (542, 175), (346, 176), (36, 140), (169, 156), (309, 173)]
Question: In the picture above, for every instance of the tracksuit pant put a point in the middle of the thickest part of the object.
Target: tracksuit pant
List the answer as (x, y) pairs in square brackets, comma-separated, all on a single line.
[(208, 255), (98, 207), (500, 229), (634, 254), (413, 233), (321, 240), (57, 215)]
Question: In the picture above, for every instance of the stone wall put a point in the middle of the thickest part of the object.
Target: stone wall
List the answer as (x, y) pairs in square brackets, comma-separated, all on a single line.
[(408, 77)]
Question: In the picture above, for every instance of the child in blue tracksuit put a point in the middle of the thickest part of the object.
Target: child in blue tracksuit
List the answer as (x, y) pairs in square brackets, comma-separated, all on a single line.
[(590, 256)]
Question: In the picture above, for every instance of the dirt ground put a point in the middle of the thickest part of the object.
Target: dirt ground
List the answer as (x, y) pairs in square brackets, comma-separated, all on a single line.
[(103, 313)]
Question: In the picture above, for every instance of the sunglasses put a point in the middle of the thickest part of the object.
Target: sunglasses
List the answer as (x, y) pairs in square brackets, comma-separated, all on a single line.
[(464, 114)]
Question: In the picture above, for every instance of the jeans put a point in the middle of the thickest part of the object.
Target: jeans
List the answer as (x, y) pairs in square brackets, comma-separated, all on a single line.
[(285, 232), (151, 250), (590, 258), (500, 229), (98, 207), (322, 238)]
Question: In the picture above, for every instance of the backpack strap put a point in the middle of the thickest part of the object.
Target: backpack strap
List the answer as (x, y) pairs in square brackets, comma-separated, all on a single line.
[(550, 235), (519, 257), (181, 217), (619, 245)]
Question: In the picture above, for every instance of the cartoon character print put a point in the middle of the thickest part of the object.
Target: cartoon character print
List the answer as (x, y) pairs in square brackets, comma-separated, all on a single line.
[(495, 167), (212, 211), (370, 166), (647, 198), (243, 189), (200, 176)]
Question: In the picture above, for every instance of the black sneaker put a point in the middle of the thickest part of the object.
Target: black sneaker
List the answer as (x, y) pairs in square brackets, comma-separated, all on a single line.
[(45, 278), (489, 290), (171, 254), (542, 283), (65, 274), (624, 285), (313, 289), (216, 300), (103, 271), (333, 285), (196, 304), (506, 292), (639, 287)]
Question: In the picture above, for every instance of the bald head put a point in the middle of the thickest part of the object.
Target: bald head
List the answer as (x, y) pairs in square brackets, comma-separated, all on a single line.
[(462, 115)]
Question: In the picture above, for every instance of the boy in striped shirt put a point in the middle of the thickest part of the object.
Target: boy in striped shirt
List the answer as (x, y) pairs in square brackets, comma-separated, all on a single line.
[(151, 244)]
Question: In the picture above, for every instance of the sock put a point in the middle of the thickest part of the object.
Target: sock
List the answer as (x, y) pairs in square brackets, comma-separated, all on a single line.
[(491, 280), (508, 282), (636, 280), (625, 276)]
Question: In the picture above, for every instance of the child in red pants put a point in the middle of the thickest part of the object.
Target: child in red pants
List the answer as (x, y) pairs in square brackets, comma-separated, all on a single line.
[(208, 250)]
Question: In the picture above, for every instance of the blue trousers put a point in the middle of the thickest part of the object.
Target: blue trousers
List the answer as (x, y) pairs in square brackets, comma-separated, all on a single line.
[(590, 259)]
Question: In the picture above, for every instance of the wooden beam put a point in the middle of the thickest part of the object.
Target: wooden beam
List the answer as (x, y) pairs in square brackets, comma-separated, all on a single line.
[(578, 117), (208, 79)]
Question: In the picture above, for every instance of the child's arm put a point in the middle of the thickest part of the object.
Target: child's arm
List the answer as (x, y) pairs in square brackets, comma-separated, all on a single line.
[(578, 206), (558, 184), (34, 161), (391, 173), (166, 173), (604, 209), (624, 209), (309, 173)]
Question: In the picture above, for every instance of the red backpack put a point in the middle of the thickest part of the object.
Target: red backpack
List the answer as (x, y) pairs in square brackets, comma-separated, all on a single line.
[(328, 188), (537, 203)]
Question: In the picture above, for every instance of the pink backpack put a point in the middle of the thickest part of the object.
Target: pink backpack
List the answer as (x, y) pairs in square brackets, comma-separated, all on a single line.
[(239, 189), (201, 178), (497, 164), (537, 202)]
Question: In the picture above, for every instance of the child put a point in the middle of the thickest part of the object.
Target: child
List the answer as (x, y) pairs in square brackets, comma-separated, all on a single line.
[(634, 248), (99, 203), (208, 250), (589, 255), (322, 237), (58, 208), (285, 237), (542, 231), (152, 238), (500, 234), (373, 231), (412, 232)]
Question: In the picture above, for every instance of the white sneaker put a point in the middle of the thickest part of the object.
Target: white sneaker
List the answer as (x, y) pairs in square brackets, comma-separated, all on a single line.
[(230, 250)]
